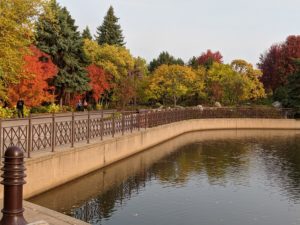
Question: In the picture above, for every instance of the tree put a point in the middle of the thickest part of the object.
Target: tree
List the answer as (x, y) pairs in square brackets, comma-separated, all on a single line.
[(57, 36), (16, 25), (99, 81), (278, 63), (33, 87), (164, 58), (171, 82), (225, 85), (254, 88), (86, 34), (116, 61), (293, 88), (110, 31), (208, 58)]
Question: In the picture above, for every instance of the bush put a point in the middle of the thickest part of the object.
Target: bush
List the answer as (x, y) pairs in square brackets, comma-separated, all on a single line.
[(66, 108), (53, 108), (98, 107), (6, 113), (39, 109)]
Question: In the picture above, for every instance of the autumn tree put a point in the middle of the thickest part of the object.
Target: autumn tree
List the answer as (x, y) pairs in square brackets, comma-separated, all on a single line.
[(171, 82), (164, 58), (57, 36), (33, 87), (116, 61), (251, 76), (110, 31), (278, 63), (225, 85), (86, 33), (208, 58), (17, 20), (99, 81)]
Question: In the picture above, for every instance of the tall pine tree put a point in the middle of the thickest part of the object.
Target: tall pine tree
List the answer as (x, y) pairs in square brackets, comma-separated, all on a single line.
[(86, 34), (110, 31), (57, 36)]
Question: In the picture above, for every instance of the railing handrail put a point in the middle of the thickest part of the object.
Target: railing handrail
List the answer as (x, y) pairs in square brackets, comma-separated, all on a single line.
[(39, 133)]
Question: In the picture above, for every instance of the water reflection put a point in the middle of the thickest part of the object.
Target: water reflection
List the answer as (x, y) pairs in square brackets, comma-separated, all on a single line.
[(254, 174)]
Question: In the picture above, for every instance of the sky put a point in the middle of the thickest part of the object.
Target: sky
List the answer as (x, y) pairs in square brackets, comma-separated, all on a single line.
[(239, 29)]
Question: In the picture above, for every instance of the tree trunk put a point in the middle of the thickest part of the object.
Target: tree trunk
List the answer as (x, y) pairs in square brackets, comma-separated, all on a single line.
[(175, 101)]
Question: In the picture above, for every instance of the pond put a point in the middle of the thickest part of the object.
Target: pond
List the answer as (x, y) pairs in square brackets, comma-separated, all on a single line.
[(244, 177)]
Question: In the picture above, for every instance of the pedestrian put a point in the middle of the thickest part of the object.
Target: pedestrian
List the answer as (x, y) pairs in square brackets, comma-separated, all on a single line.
[(79, 105), (85, 105), (20, 108)]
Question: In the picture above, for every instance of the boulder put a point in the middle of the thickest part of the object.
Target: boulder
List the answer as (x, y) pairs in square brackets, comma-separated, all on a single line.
[(277, 104), (218, 104)]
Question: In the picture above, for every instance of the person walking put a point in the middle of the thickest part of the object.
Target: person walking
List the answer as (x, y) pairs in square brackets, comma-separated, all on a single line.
[(20, 108)]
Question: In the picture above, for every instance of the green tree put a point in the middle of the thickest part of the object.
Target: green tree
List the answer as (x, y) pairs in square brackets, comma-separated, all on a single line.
[(86, 33), (224, 84), (164, 58), (110, 31), (293, 89), (16, 26), (57, 36)]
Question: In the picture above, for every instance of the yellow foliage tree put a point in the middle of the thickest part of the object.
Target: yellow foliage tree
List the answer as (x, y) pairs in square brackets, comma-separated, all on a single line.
[(170, 82), (17, 18), (255, 89)]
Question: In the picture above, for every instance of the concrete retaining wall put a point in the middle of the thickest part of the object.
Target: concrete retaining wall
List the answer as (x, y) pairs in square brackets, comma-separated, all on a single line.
[(47, 171)]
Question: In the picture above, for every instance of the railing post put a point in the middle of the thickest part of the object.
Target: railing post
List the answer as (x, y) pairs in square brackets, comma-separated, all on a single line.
[(146, 119), (102, 125), (13, 180), (138, 121), (123, 123), (73, 130), (1, 150), (131, 121), (113, 124), (30, 137), (53, 132), (89, 127)]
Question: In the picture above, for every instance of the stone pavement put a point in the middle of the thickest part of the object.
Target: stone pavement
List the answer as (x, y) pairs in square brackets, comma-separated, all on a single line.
[(38, 215)]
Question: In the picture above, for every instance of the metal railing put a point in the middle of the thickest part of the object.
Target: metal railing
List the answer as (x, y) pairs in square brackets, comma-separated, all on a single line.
[(51, 131)]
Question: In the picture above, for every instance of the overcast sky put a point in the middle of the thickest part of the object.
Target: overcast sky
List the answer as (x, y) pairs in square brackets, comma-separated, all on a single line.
[(237, 28)]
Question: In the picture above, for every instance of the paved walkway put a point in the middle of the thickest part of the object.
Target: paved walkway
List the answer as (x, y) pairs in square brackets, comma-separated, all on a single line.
[(34, 213)]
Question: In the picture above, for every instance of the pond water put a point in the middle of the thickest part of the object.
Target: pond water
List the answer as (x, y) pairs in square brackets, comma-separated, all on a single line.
[(210, 178)]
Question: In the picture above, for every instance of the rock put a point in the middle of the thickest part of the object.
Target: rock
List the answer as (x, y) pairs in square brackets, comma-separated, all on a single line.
[(277, 104), (200, 107), (218, 104)]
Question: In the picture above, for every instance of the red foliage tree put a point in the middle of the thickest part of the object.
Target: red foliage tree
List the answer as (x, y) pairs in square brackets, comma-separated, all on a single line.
[(99, 81), (278, 63), (208, 58), (33, 86)]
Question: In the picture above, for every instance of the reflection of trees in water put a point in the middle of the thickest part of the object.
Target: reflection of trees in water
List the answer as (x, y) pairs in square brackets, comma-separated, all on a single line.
[(281, 157), (103, 206), (217, 160)]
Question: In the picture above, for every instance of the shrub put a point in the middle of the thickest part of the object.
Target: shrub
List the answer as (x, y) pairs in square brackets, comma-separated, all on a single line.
[(6, 113), (39, 109), (53, 108)]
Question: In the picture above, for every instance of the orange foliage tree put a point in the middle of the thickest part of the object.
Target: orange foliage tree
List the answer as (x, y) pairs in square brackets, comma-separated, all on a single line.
[(99, 81), (33, 88)]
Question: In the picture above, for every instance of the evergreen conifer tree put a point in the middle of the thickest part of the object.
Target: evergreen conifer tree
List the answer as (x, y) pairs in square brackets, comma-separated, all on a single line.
[(86, 34), (110, 31), (57, 36), (293, 88)]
